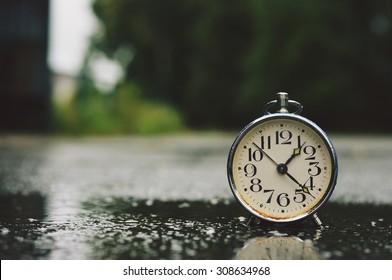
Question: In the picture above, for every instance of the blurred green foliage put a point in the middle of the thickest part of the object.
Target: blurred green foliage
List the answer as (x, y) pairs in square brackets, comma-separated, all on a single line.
[(125, 111), (220, 61)]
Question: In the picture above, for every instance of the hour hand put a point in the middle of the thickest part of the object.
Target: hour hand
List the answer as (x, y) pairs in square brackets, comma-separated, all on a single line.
[(296, 152)]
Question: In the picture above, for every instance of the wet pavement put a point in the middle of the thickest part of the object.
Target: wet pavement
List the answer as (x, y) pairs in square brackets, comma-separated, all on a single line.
[(168, 198)]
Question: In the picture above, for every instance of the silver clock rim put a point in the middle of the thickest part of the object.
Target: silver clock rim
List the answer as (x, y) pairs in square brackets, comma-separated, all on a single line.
[(313, 126)]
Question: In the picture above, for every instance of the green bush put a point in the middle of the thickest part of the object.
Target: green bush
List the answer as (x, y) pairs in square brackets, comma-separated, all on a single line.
[(231, 57), (122, 111)]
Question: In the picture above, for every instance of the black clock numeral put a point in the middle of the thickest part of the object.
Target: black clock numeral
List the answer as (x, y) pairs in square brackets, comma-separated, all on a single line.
[(250, 170), (310, 151), (256, 155), (314, 169), (299, 141), (265, 142), (270, 197), (309, 183), (283, 199), (256, 185), (299, 196), (283, 137)]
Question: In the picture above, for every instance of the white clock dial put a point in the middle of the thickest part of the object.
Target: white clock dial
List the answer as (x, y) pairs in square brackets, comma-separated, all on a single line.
[(282, 168)]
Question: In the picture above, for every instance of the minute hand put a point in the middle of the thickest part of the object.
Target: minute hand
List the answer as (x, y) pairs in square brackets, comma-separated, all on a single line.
[(265, 154), (304, 189)]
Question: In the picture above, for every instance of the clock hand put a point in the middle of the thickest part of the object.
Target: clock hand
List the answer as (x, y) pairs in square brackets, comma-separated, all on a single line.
[(296, 152), (304, 189), (282, 168), (265, 154), (270, 158)]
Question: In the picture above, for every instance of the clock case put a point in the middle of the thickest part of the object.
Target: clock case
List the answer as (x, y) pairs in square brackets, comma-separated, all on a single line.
[(283, 105)]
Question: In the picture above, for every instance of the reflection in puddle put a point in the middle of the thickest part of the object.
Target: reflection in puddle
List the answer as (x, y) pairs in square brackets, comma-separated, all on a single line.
[(128, 228), (153, 229), (22, 234), (278, 248)]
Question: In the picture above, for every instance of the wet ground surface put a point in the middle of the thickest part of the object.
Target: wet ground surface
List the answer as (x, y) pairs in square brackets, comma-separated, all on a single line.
[(168, 198)]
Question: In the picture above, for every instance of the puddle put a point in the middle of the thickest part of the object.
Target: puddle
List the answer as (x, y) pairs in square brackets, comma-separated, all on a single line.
[(125, 228)]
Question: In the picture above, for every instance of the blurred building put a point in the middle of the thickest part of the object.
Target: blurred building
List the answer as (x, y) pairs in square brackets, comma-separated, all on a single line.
[(24, 74)]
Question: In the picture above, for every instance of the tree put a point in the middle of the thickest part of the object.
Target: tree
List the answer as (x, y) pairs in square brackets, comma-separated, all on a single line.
[(220, 61)]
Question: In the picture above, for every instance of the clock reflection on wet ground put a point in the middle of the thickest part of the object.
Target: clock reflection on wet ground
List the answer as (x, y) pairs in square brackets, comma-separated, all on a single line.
[(120, 228)]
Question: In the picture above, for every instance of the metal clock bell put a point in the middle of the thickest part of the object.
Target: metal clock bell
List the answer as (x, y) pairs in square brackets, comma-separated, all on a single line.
[(282, 167)]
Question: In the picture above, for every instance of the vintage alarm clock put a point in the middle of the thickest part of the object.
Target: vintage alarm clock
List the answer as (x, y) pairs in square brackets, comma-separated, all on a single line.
[(282, 167)]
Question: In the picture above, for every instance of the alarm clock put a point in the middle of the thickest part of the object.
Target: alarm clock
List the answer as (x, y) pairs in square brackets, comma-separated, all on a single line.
[(282, 167)]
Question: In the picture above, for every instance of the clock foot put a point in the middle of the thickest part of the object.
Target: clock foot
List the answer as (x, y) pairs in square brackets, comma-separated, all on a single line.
[(317, 220), (251, 221)]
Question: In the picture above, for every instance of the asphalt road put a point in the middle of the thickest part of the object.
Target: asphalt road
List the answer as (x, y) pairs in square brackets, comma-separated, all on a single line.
[(168, 198)]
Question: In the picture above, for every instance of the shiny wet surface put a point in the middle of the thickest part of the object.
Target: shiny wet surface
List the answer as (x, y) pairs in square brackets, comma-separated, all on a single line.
[(144, 229), (169, 199)]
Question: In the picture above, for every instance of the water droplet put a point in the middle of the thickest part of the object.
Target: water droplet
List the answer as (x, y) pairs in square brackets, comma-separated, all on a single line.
[(184, 205)]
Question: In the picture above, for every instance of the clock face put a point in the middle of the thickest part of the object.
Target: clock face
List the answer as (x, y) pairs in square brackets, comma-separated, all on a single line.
[(282, 167)]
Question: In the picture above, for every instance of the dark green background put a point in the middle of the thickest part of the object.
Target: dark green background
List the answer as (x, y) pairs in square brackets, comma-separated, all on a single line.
[(219, 62)]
